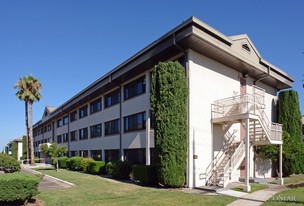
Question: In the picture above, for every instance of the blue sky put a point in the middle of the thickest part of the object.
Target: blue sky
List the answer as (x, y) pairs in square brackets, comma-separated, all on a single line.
[(68, 44)]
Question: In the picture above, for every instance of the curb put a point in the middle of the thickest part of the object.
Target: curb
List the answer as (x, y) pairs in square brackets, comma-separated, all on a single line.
[(51, 177)]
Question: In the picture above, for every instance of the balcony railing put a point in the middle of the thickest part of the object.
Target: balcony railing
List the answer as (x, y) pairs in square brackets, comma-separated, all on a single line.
[(248, 104)]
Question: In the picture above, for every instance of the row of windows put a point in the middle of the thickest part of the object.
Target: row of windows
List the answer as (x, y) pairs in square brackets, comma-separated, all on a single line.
[(131, 123), (36, 143), (134, 156), (132, 89)]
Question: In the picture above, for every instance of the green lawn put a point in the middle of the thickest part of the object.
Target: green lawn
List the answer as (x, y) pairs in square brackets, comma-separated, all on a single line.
[(94, 190), (292, 196), (254, 187)]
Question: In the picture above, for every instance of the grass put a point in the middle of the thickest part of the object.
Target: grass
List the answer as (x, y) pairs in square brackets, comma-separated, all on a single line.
[(94, 190), (292, 196), (254, 187)]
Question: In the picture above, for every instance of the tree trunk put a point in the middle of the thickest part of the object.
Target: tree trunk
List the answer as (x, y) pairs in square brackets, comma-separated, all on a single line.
[(27, 131), (31, 134)]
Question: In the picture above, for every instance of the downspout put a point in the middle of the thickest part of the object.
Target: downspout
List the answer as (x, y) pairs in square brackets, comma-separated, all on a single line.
[(120, 117), (254, 147)]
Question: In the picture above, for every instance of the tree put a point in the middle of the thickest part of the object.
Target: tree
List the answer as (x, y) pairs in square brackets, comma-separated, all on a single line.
[(169, 110), (54, 151), (293, 149), (15, 150), (29, 92)]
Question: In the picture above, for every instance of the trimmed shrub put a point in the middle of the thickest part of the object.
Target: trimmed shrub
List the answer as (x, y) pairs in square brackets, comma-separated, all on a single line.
[(9, 164), (145, 174), (85, 164), (37, 160), (96, 167), (17, 187), (121, 169), (62, 162), (15, 150), (109, 168), (75, 163), (169, 111)]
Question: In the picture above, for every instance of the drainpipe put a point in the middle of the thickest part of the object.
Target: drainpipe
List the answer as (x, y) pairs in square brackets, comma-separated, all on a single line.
[(120, 117), (254, 147)]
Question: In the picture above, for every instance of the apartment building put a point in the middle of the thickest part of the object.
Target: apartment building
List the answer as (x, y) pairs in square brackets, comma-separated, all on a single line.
[(231, 107), (19, 148)]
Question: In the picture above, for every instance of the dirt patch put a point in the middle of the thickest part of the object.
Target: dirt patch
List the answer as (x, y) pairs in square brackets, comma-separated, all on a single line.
[(301, 184), (31, 202), (34, 202)]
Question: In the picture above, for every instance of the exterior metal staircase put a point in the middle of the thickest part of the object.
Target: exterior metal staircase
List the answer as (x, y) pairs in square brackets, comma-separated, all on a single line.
[(261, 131)]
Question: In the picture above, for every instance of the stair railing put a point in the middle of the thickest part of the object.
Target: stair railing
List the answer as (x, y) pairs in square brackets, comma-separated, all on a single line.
[(212, 167), (232, 163)]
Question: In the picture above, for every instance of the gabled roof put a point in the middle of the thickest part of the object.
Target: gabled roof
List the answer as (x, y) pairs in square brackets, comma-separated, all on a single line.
[(47, 111)]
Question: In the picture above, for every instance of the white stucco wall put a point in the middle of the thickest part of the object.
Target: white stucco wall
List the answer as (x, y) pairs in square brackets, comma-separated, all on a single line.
[(20, 150), (208, 81)]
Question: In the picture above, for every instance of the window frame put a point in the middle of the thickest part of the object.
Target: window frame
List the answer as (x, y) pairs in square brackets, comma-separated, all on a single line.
[(83, 112), (135, 88), (94, 132), (74, 139), (110, 124), (111, 97), (131, 119), (73, 116), (86, 135), (94, 108)]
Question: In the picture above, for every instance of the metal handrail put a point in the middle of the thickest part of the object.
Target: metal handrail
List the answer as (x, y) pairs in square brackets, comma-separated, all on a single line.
[(234, 159), (218, 158)]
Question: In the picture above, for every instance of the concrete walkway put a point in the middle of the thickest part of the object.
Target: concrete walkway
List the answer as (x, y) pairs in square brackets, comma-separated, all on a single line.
[(48, 182), (258, 197)]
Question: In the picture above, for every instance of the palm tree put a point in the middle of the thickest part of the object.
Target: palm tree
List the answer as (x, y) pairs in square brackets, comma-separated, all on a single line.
[(29, 92)]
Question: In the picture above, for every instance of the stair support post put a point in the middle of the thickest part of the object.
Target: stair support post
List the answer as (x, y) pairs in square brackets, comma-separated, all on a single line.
[(247, 187), (280, 178)]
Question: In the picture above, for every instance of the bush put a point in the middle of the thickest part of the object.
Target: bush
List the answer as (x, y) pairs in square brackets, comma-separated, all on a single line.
[(37, 160), (169, 111), (119, 169), (62, 162), (15, 150), (85, 164), (75, 163), (8, 163), (96, 167), (109, 168), (145, 174), (17, 187)]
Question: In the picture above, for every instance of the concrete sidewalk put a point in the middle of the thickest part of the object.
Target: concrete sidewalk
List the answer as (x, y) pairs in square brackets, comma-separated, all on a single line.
[(48, 182), (258, 197)]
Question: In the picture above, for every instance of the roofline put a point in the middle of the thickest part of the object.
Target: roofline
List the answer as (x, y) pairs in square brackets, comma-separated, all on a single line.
[(192, 21)]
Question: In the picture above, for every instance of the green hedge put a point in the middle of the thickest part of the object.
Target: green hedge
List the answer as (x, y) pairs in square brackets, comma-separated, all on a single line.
[(62, 162), (9, 164), (17, 187), (85, 164), (145, 174), (169, 111), (96, 167), (74, 163), (15, 150), (119, 169)]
